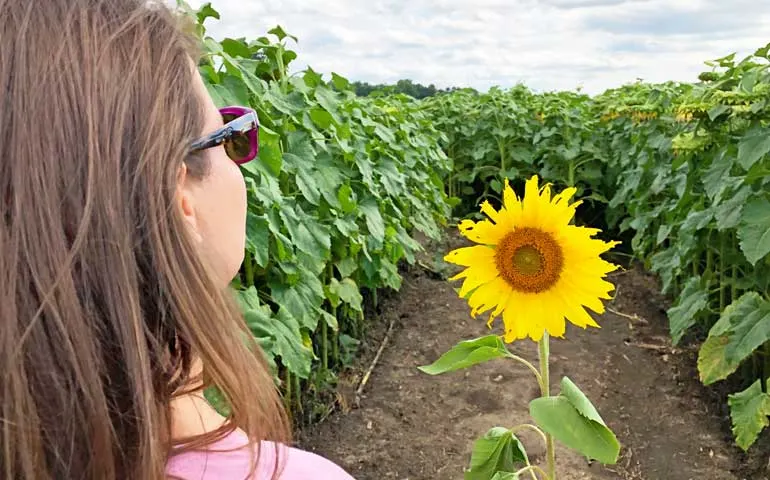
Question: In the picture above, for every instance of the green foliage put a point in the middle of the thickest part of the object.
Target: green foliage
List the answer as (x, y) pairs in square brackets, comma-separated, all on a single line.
[(498, 451), (340, 186), (749, 410), (743, 328), (468, 353), (573, 420)]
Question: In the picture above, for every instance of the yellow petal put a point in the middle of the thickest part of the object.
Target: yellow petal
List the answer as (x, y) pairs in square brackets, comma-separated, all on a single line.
[(483, 232), (477, 275), (553, 313), (488, 296), (468, 256)]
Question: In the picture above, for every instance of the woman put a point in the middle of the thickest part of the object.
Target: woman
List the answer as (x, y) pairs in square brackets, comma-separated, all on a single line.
[(122, 221)]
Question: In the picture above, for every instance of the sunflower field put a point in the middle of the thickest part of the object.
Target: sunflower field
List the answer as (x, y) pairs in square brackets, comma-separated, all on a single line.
[(340, 186), (679, 172)]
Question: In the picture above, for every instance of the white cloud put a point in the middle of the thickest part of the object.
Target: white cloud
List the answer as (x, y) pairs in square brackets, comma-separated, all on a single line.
[(547, 44)]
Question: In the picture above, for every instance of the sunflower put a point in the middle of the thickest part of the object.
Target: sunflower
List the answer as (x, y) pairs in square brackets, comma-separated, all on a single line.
[(532, 266)]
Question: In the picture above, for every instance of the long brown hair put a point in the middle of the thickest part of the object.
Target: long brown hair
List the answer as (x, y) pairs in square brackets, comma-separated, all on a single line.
[(105, 301)]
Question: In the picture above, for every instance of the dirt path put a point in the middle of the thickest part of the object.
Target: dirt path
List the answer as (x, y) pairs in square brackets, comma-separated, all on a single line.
[(413, 426)]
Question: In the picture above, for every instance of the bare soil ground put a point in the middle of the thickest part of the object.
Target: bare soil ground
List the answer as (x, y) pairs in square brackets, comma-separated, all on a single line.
[(409, 425)]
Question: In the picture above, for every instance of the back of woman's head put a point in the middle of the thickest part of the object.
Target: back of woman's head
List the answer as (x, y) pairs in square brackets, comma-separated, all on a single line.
[(105, 299)]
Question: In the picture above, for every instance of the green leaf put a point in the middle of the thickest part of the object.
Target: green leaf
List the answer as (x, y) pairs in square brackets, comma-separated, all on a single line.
[(753, 146), (691, 303), (321, 118), (506, 476), (717, 112), (712, 362), (468, 353), (729, 212), (714, 177), (206, 11), (348, 292), (340, 83), (269, 153), (749, 410), (663, 232), (560, 418), (330, 319), (308, 186), (347, 266), (742, 329), (754, 230), (374, 222), (346, 198), (279, 32), (284, 338), (300, 299), (497, 451), (328, 100), (235, 48), (579, 400), (258, 238)]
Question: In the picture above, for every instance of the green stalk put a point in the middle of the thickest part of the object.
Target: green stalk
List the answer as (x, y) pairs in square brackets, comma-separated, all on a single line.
[(709, 274), (360, 324), (297, 395), (336, 342), (722, 274), (324, 346), (695, 265), (282, 69), (571, 174), (734, 275), (545, 390), (287, 393), (248, 267), (766, 363), (375, 301), (324, 327), (501, 148), (709, 258)]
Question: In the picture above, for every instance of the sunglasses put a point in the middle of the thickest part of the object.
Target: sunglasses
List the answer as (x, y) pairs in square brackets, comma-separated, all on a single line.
[(239, 135)]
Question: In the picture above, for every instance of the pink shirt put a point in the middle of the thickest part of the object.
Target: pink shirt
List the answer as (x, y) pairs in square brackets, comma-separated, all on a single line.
[(235, 465)]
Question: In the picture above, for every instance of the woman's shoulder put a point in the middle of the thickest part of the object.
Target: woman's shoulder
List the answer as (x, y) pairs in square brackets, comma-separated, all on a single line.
[(228, 459)]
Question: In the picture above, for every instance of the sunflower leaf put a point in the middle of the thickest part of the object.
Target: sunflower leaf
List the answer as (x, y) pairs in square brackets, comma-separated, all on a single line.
[(712, 362), (468, 353), (573, 420), (692, 302), (579, 400), (749, 410), (506, 476), (741, 330), (497, 452)]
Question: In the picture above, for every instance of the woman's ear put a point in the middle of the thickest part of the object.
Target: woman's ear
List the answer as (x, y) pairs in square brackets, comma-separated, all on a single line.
[(185, 194)]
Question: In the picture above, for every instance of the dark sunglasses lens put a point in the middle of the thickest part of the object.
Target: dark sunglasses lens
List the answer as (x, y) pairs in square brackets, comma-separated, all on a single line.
[(237, 147)]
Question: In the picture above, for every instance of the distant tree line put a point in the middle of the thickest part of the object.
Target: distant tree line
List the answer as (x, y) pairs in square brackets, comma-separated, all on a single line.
[(405, 86)]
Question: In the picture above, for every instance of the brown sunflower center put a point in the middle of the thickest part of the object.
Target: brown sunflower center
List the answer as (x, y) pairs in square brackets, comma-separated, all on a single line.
[(530, 260)]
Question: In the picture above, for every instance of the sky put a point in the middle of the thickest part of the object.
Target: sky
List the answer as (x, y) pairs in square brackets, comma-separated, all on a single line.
[(545, 44)]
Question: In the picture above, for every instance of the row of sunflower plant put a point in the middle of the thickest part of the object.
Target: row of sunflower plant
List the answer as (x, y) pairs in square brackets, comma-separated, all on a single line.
[(340, 186), (696, 195), (679, 170)]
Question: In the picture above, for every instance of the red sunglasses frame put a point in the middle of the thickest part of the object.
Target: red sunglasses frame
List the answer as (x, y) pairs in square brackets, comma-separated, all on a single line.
[(246, 123)]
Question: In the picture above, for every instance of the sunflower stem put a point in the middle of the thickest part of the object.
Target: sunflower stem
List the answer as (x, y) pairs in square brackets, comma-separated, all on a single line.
[(531, 469), (530, 367), (534, 428), (545, 390)]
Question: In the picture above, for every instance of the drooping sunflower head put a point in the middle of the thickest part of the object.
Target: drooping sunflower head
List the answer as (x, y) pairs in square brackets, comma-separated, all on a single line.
[(532, 266)]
